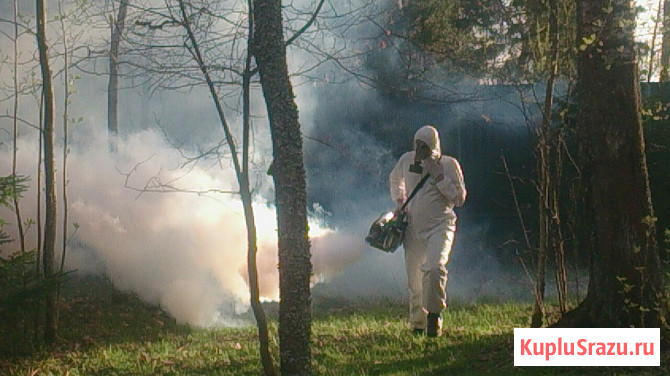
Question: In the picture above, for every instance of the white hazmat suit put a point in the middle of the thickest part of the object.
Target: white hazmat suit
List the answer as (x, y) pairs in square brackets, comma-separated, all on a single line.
[(432, 223)]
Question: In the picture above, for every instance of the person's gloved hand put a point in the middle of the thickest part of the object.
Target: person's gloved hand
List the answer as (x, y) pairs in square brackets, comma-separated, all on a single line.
[(434, 168)]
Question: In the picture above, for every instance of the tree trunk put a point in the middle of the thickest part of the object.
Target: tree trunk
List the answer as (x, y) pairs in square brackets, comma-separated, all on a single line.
[(556, 240), (545, 184), (554, 163), (543, 228), (113, 94), (242, 174), (66, 106), (15, 137), (665, 47), (113, 86), (288, 171), (48, 253), (252, 250), (254, 289), (15, 128), (38, 216), (625, 284)]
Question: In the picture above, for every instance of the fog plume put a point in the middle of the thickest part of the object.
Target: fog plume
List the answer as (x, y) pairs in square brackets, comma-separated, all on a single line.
[(183, 251), (186, 251)]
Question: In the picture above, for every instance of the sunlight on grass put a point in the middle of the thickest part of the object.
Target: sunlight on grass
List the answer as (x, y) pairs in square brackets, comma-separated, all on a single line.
[(382, 343), (134, 339)]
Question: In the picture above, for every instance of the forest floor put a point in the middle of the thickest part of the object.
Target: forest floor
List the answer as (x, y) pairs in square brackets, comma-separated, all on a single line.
[(98, 337)]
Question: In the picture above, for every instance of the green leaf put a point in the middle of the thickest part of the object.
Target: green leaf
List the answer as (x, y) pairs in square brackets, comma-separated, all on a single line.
[(587, 41)]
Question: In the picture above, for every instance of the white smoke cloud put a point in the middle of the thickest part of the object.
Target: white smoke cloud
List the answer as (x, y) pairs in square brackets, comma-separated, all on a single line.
[(188, 252), (183, 251)]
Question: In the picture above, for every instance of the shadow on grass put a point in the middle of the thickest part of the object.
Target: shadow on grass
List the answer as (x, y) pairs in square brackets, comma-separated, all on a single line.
[(89, 317), (100, 337), (489, 355), (94, 320)]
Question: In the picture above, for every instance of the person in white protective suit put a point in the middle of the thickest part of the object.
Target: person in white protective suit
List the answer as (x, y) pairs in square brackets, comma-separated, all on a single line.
[(431, 225)]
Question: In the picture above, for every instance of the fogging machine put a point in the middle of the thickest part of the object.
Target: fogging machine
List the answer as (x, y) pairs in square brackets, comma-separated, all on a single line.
[(388, 231)]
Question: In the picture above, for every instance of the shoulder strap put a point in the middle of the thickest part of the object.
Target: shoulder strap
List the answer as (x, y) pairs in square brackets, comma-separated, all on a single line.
[(416, 189)]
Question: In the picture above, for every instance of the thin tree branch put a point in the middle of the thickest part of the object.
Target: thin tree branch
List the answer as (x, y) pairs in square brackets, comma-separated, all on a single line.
[(306, 25)]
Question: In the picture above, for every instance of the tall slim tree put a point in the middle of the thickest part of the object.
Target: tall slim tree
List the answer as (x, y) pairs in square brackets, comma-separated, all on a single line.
[(625, 285), (15, 128), (66, 107), (546, 185), (295, 267), (242, 173), (208, 46), (48, 251)]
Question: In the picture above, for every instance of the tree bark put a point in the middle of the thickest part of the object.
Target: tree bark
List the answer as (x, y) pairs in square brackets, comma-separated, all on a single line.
[(625, 285), (288, 171), (113, 85), (48, 253)]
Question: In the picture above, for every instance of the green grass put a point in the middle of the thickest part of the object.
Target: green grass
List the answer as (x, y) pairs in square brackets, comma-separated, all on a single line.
[(130, 338)]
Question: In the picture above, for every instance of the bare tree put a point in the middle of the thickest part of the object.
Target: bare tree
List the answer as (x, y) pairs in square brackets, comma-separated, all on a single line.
[(67, 51), (548, 157), (38, 199), (48, 251), (241, 172), (222, 68), (15, 134), (186, 17)]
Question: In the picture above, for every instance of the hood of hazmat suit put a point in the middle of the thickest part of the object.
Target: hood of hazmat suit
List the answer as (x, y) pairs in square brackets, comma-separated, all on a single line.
[(431, 137), (432, 209)]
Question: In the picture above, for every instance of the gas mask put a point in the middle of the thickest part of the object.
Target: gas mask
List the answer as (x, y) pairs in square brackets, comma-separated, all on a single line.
[(421, 152)]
